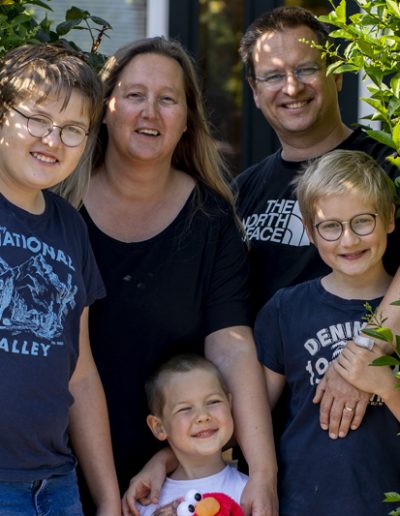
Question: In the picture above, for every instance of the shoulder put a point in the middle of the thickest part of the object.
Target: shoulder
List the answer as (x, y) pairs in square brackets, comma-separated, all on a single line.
[(256, 172), (208, 202), (360, 140), (63, 212), (289, 297)]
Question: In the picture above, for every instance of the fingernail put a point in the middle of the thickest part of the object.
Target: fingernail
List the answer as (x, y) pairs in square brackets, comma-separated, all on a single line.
[(333, 436), (324, 427)]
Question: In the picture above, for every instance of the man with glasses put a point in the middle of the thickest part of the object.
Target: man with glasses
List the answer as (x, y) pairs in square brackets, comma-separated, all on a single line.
[(347, 205), (290, 86)]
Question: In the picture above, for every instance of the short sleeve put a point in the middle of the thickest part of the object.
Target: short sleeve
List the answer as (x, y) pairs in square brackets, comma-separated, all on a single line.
[(91, 276), (228, 293), (268, 335)]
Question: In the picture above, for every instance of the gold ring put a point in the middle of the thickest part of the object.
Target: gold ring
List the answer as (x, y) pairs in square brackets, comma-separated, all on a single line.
[(349, 409)]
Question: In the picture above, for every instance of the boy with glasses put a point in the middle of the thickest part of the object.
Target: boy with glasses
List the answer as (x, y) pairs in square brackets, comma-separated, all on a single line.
[(52, 404), (346, 201)]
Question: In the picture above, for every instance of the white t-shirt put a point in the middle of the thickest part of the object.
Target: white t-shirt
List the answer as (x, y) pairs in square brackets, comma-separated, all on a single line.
[(228, 481)]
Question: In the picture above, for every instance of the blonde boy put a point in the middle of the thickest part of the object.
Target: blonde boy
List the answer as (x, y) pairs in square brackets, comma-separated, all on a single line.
[(190, 407), (347, 205)]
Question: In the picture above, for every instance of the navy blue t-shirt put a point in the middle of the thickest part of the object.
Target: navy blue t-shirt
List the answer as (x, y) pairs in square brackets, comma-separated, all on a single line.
[(318, 475), (47, 276)]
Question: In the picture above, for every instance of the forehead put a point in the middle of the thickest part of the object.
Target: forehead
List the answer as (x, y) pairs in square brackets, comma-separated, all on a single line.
[(74, 104), (182, 386), (342, 206), (283, 48), (153, 69)]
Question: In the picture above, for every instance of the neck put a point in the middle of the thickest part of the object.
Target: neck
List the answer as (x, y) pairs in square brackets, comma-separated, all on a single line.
[(198, 467), (133, 181), (302, 147), (33, 202), (367, 286)]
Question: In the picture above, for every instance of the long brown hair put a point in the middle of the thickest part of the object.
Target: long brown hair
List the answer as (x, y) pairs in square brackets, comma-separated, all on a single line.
[(196, 153)]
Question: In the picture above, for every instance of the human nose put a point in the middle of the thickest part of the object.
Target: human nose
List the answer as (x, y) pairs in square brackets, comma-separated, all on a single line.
[(150, 108), (292, 84), (202, 415), (53, 137), (348, 236)]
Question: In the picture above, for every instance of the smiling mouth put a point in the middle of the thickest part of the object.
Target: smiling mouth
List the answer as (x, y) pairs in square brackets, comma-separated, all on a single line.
[(296, 105), (44, 159), (148, 132), (204, 434), (353, 256)]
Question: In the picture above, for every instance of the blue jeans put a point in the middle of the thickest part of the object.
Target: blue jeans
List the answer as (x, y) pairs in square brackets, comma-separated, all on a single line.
[(56, 496)]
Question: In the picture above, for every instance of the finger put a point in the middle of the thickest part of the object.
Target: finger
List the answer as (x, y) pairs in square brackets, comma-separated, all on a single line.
[(154, 494), (320, 391), (325, 409), (129, 507), (346, 420), (335, 417), (359, 413)]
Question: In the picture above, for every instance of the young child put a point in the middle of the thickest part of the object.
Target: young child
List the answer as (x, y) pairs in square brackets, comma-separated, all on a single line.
[(51, 395), (190, 407), (347, 206)]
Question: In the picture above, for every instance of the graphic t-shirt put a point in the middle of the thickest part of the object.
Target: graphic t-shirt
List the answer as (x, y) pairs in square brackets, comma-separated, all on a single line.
[(298, 333), (228, 481), (47, 276), (280, 251)]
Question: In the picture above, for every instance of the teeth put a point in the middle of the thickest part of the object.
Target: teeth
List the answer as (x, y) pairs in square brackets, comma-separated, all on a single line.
[(46, 159), (151, 132), (296, 105)]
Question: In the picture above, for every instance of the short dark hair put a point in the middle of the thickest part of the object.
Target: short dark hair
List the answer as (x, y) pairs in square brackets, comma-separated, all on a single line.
[(277, 20), (184, 363)]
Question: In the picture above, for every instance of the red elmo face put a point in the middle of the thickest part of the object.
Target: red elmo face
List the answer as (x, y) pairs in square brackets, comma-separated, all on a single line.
[(209, 504)]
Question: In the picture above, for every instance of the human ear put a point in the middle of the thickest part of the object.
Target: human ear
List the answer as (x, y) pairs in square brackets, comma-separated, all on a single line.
[(252, 85), (310, 234), (391, 222), (156, 426), (338, 81)]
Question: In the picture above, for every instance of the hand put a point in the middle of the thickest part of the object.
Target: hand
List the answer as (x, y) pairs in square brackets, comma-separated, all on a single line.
[(145, 486), (342, 406), (353, 365), (259, 497)]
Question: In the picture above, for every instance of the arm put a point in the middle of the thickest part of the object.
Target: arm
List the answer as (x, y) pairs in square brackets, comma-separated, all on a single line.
[(275, 385), (233, 352), (145, 487), (89, 430), (334, 392), (354, 366)]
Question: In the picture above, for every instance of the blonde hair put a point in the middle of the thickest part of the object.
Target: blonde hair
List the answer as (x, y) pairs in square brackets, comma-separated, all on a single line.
[(196, 152), (39, 70), (339, 172), (184, 363)]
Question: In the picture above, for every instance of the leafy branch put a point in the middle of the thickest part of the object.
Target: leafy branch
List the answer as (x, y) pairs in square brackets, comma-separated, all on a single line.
[(20, 25)]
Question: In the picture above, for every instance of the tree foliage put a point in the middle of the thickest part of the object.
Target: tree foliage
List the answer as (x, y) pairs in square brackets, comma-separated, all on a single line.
[(19, 24), (371, 46)]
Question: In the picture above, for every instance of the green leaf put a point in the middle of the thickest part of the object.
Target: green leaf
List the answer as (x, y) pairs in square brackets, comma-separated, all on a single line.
[(382, 333), (391, 496), (74, 13), (396, 135), (100, 21), (64, 27), (386, 361), (382, 137), (393, 7)]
